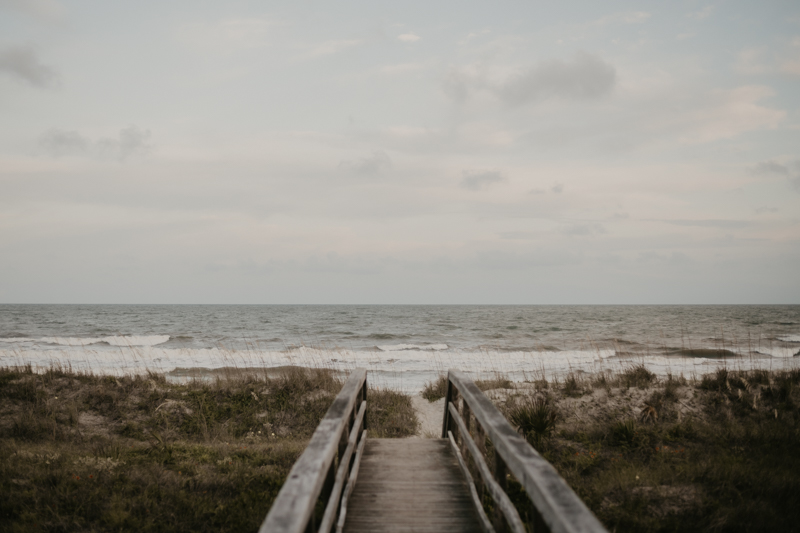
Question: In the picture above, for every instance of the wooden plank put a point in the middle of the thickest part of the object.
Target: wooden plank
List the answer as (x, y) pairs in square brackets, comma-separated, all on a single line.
[(560, 507), (295, 503), (409, 485)]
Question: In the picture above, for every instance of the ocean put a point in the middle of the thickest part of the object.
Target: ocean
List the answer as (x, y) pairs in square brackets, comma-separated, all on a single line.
[(405, 346)]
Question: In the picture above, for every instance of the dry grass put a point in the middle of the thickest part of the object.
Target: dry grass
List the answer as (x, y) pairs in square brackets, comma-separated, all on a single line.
[(95, 453), (721, 454)]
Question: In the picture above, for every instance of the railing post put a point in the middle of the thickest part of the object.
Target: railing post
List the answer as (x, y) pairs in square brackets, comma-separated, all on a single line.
[(364, 399), (447, 396)]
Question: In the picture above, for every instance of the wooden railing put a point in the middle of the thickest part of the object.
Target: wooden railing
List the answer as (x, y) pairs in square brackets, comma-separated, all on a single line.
[(553, 505), (327, 470)]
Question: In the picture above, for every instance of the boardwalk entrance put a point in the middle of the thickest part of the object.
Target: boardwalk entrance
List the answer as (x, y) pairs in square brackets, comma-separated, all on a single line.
[(346, 482), (410, 485)]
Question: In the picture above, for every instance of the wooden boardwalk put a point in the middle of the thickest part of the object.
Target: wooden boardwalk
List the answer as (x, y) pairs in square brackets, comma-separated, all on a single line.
[(347, 482), (410, 485)]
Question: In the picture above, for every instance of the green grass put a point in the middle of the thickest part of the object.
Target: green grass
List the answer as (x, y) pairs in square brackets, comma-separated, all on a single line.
[(96, 453)]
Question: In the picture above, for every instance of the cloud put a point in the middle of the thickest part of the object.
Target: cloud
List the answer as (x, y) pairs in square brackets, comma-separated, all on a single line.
[(457, 84), (558, 188), (710, 223), (765, 209), (227, 35), (375, 163), (401, 68), (476, 180), (332, 47), (585, 77), (583, 230), (771, 167), (790, 171), (38, 8), (57, 143), (22, 62), (702, 14), (131, 141), (732, 113), (630, 17), (408, 38)]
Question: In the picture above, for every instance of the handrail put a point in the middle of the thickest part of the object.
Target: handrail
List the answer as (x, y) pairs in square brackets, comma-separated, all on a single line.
[(557, 508), (316, 474)]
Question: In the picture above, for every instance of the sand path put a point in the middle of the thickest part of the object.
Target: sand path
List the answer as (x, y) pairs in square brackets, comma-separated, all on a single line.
[(430, 416)]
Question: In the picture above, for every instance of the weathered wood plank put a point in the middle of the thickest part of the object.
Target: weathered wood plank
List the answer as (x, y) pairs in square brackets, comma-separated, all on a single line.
[(410, 486), (295, 502), (560, 507)]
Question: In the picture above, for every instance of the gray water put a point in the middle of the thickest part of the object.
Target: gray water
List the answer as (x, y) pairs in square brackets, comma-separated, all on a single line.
[(401, 345)]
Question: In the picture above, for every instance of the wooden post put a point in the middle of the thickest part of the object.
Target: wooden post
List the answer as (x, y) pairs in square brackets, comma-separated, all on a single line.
[(467, 418), (446, 419), (364, 399)]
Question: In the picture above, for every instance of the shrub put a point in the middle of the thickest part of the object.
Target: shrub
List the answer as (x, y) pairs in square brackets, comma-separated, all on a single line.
[(535, 418), (435, 389), (637, 376)]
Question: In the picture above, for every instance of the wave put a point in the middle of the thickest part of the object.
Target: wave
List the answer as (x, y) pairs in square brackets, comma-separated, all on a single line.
[(789, 338), (15, 339), (704, 353), (404, 347), (405, 369), (117, 340)]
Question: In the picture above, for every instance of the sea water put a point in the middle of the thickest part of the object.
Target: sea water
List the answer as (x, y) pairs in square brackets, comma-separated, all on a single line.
[(403, 347)]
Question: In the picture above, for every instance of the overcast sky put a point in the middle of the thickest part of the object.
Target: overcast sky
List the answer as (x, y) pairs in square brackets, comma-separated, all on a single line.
[(399, 152)]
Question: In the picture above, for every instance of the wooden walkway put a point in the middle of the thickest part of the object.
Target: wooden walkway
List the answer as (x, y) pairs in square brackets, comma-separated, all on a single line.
[(410, 485), (347, 483)]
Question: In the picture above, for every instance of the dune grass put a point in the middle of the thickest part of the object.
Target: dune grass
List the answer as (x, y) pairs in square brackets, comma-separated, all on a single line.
[(81, 452), (714, 454)]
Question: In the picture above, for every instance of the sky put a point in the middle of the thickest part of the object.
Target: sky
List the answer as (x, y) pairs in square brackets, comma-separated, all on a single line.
[(376, 152)]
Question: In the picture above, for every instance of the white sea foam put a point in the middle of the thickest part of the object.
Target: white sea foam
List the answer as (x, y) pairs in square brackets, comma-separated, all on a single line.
[(779, 351), (122, 340), (403, 347), (789, 338), (407, 369)]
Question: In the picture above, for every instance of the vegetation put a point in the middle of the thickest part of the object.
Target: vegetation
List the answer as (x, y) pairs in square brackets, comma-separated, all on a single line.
[(434, 390), (99, 453), (716, 454)]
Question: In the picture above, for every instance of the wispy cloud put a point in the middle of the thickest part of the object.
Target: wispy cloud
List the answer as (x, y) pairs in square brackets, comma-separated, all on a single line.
[(477, 180), (710, 223), (408, 37), (130, 141), (372, 165), (585, 77), (39, 8), (23, 63), (628, 17), (227, 35), (333, 47)]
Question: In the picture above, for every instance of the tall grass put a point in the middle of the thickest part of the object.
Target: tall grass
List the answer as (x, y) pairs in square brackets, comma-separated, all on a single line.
[(104, 453)]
